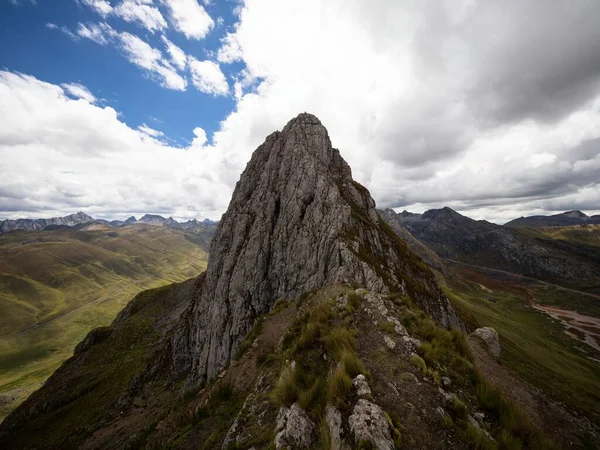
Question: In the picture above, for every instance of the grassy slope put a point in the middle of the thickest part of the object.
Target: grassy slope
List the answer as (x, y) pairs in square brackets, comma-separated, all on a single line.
[(534, 346), (90, 276)]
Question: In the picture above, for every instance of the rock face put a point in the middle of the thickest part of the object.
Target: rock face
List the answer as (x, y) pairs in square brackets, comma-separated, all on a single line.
[(490, 337), (296, 222), (40, 224), (294, 429)]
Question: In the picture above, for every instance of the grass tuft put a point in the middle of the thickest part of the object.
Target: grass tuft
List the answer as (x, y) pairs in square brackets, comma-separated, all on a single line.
[(418, 362)]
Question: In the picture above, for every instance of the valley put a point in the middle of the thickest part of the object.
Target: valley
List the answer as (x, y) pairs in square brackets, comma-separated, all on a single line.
[(55, 286)]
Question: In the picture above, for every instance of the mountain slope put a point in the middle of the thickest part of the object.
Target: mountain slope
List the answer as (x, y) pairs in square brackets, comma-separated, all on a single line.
[(521, 251), (56, 286), (297, 223)]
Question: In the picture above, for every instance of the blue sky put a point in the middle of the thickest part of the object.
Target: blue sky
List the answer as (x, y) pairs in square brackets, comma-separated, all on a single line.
[(32, 47), (121, 107)]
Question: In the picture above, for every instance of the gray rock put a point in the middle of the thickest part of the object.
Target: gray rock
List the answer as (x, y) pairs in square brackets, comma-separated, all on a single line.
[(333, 418), (294, 429), (361, 386), (389, 342), (398, 327), (411, 343), (446, 381), (490, 337), (369, 423), (440, 411), (296, 221)]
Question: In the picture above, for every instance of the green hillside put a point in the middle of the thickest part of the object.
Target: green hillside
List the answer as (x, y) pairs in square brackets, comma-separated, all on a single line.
[(55, 286)]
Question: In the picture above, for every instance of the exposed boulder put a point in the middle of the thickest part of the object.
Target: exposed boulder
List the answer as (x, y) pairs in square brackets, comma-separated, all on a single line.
[(294, 429), (368, 423), (490, 337), (361, 386)]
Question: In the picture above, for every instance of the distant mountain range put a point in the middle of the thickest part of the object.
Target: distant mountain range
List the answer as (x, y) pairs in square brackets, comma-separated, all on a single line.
[(81, 219), (557, 220), (524, 251), (40, 224)]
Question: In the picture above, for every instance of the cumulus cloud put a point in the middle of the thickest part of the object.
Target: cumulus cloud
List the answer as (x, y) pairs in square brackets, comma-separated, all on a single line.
[(230, 50), (177, 55), (150, 59), (207, 77), (102, 7), (101, 33), (490, 108), (138, 52), (189, 18), (79, 91), (432, 103), (62, 155), (136, 11), (140, 12)]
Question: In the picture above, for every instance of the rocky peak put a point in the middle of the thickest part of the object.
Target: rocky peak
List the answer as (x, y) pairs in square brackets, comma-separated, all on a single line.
[(296, 222), (574, 214)]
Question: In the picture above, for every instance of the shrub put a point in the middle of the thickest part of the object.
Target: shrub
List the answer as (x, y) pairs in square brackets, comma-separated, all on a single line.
[(352, 364), (478, 440), (418, 362), (459, 408), (338, 386), (339, 340), (313, 396), (354, 301), (285, 392), (387, 327)]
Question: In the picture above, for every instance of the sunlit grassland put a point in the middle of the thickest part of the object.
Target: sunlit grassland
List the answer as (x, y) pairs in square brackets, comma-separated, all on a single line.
[(535, 346), (70, 282)]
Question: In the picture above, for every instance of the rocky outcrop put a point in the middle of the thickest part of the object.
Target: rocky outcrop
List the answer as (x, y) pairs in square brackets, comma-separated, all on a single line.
[(490, 337), (368, 423), (297, 221), (294, 429)]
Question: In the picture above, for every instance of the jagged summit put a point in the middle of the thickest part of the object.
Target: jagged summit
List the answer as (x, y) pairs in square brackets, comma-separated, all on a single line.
[(296, 221)]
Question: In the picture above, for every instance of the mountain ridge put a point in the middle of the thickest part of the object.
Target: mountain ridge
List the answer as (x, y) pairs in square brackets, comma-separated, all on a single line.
[(297, 223)]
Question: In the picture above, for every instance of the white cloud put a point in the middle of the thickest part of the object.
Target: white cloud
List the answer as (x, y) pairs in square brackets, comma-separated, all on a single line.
[(230, 50), (143, 55), (199, 137), (207, 77), (189, 18), (178, 57), (62, 155), (100, 33), (432, 103), (137, 11), (138, 52), (79, 91), (102, 7), (150, 131)]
